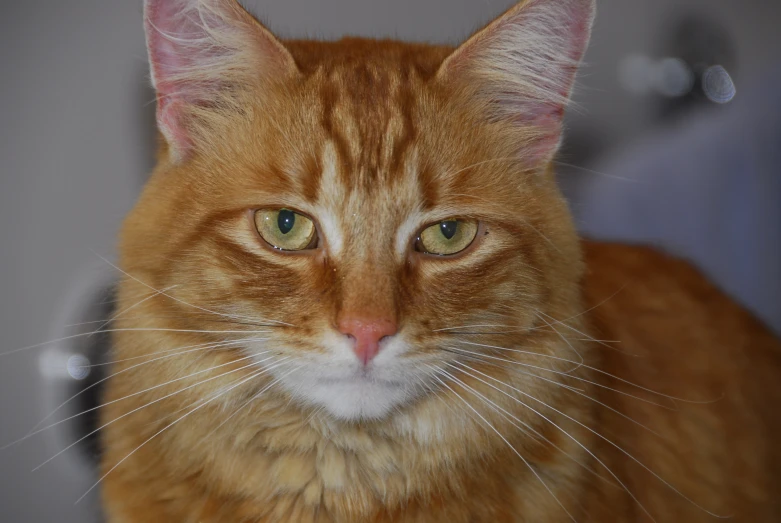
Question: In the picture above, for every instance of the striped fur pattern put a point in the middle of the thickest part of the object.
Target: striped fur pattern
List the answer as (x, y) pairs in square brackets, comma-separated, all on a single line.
[(234, 396)]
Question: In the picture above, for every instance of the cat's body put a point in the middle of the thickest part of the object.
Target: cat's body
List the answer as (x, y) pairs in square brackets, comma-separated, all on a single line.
[(687, 338), (362, 377)]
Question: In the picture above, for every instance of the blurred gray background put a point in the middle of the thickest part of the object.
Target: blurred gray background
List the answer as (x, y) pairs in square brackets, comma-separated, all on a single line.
[(650, 156)]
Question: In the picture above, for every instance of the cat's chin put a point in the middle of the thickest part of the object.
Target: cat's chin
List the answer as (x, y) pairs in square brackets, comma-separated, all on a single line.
[(355, 398)]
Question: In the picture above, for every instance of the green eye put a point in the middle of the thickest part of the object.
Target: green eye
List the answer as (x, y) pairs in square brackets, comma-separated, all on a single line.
[(286, 230), (447, 237)]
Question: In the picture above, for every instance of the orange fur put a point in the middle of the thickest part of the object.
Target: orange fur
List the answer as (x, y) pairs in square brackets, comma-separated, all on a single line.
[(373, 138)]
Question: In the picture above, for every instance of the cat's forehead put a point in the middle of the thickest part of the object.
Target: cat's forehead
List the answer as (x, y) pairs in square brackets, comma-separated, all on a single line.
[(364, 202), (368, 178), (365, 99), (365, 109), (368, 117)]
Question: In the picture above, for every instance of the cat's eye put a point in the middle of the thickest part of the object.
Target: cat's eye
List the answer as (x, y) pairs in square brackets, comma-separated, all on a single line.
[(447, 237), (286, 230)]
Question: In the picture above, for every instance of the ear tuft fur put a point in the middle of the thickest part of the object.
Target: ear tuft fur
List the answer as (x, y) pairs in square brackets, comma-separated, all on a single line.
[(202, 53), (522, 67)]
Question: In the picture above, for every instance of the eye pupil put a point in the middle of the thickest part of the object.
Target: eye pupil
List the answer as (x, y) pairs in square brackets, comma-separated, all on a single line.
[(449, 229), (286, 220), (447, 237)]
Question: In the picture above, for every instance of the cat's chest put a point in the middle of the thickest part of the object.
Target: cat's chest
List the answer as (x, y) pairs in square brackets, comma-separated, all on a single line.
[(288, 474)]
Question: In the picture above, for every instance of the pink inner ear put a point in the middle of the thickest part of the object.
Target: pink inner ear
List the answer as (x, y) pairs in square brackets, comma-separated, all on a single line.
[(547, 119), (180, 43), (525, 63), (568, 39), (196, 49), (177, 42), (169, 112), (200, 52)]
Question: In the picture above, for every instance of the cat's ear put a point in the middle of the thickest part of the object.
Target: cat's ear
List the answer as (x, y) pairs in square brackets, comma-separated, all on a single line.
[(520, 69), (203, 53)]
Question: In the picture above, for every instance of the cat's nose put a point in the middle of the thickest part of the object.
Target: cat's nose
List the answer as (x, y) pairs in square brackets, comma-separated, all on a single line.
[(367, 333)]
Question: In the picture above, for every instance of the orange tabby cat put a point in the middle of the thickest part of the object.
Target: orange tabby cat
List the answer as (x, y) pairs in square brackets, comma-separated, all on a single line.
[(357, 296)]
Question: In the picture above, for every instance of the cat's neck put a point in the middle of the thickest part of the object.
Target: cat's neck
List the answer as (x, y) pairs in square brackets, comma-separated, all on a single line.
[(451, 453)]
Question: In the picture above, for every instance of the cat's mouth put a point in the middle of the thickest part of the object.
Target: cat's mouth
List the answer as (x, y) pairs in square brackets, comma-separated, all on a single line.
[(351, 394), (364, 376)]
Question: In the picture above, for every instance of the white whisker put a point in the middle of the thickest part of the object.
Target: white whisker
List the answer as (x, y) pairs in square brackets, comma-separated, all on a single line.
[(650, 391), (132, 329), (528, 365), (488, 424), (616, 446), (131, 307), (252, 399), (555, 425), (570, 327), (143, 392), (565, 340), (8, 445), (514, 420), (252, 376), (480, 325), (192, 348), (184, 302)]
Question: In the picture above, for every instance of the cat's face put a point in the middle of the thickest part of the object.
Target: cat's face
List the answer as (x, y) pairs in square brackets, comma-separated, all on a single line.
[(363, 211)]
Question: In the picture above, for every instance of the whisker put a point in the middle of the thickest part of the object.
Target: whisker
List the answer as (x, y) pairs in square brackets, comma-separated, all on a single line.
[(512, 419), (470, 327), (487, 423), (555, 322), (192, 348), (131, 307), (578, 315), (252, 376), (616, 446), (592, 171), (314, 413), (252, 399), (555, 425), (509, 159), (141, 407), (562, 374), (430, 388), (650, 391), (182, 301), (570, 327), (541, 235), (175, 317), (136, 394), (131, 329), (580, 392), (565, 340), (197, 402), (510, 332)]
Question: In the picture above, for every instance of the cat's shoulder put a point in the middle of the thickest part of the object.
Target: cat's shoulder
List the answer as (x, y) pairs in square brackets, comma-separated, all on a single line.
[(661, 325), (664, 318), (643, 268), (663, 309), (656, 286)]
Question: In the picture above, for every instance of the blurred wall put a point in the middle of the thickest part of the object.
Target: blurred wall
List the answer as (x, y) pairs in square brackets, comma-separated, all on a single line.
[(76, 143)]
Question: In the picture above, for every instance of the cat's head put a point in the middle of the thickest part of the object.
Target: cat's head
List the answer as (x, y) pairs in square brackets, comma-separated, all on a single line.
[(359, 214)]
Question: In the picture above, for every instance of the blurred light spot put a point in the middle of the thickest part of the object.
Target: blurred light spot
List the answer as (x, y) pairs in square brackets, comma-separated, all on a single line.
[(674, 78), (718, 85), (78, 367), (635, 73)]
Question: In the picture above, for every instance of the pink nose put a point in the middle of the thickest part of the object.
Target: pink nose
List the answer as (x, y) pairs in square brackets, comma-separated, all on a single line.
[(367, 334)]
